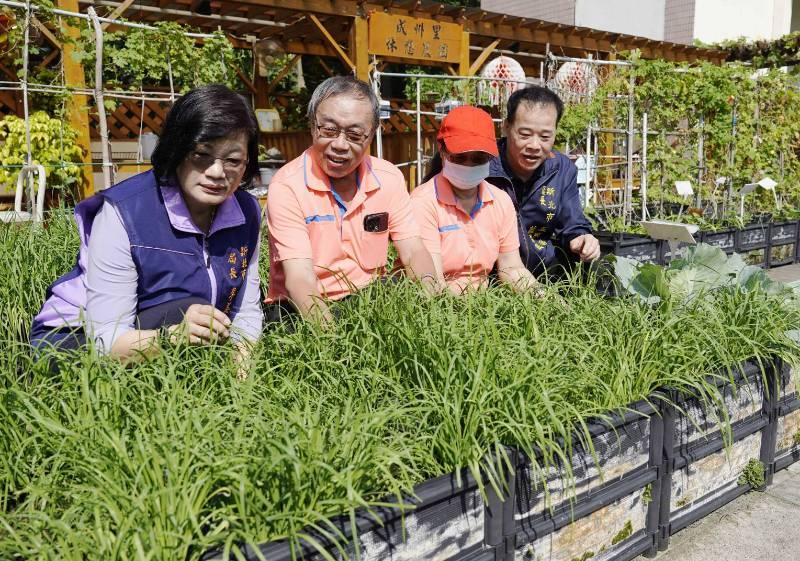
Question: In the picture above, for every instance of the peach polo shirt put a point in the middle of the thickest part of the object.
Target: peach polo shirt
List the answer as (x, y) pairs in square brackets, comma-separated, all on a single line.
[(469, 243), (306, 219)]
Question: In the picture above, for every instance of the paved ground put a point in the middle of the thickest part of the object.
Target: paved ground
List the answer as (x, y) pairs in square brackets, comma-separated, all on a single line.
[(755, 527), (787, 273)]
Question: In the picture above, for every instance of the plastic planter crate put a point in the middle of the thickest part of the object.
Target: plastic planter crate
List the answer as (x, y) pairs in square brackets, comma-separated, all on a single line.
[(448, 523), (784, 232), (757, 257), (639, 248), (753, 236), (783, 240), (703, 464), (782, 254), (696, 423), (787, 419), (723, 239), (606, 510)]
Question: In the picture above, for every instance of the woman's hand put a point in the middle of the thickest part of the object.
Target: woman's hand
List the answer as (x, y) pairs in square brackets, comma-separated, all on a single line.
[(202, 324)]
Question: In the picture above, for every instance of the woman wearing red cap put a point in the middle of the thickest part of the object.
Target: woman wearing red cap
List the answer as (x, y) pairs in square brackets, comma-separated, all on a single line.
[(467, 224)]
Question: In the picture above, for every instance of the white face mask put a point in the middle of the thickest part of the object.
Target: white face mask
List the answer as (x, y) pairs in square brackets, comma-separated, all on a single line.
[(464, 177)]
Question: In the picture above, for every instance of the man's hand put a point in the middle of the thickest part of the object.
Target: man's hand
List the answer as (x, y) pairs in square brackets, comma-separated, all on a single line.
[(203, 324), (586, 247)]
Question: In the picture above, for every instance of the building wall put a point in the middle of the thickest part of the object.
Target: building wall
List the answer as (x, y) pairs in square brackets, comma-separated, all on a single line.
[(679, 21), (795, 26), (558, 11), (632, 17), (717, 20)]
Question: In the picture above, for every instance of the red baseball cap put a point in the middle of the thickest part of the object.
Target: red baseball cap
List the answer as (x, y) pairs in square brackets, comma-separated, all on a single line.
[(468, 129)]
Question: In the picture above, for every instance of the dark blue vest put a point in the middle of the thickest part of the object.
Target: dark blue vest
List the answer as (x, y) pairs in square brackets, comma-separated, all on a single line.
[(170, 262)]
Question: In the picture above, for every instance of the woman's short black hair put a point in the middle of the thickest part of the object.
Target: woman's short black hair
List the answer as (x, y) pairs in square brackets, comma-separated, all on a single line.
[(533, 95), (205, 114)]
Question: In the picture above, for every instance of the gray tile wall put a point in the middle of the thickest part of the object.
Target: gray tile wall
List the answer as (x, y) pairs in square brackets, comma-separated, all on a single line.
[(679, 21), (559, 11)]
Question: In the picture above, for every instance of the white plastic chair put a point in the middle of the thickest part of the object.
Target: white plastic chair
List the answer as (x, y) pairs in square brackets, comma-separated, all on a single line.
[(37, 204)]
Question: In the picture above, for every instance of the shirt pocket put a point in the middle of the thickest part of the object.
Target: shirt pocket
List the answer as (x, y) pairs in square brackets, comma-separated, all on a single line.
[(374, 247), (455, 248), (326, 245)]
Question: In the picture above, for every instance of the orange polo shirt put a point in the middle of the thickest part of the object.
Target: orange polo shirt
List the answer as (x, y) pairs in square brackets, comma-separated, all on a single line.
[(306, 221), (469, 243)]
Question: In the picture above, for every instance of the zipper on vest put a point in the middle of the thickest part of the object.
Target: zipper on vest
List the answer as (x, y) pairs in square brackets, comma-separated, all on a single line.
[(207, 252)]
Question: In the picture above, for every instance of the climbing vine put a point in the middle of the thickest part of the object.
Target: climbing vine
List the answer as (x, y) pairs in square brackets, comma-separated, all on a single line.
[(749, 123)]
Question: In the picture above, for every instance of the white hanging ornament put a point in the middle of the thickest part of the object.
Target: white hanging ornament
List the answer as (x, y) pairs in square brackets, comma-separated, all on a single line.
[(494, 88), (574, 81)]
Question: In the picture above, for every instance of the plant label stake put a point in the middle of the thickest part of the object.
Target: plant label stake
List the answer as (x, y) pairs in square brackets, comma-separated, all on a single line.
[(747, 188), (674, 233)]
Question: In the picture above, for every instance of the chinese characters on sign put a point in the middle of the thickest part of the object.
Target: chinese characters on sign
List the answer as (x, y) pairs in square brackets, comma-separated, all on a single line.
[(417, 38)]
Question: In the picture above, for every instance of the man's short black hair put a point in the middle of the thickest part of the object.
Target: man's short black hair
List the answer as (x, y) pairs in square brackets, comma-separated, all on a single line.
[(533, 95), (205, 114)]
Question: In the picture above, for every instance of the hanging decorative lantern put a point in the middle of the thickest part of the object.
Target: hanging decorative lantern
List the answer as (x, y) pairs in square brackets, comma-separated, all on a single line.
[(574, 81), (496, 91)]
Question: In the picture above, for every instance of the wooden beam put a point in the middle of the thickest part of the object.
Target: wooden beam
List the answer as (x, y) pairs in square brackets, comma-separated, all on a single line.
[(46, 32), (49, 58), (325, 67), (332, 41), (463, 64), (359, 47), (245, 80), (485, 54), (118, 11), (295, 47), (77, 104), (282, 74)]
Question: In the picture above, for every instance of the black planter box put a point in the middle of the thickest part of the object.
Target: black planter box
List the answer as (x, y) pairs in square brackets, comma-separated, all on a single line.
[(696, 423), (782, 254), (787, 440), (723, 239), (607, 508), (753, 236), (784, 232), (639, 248), (757, 256), (445, 522), (704, 460)]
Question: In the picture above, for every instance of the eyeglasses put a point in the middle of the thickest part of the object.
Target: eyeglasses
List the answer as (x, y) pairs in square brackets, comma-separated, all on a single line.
[(332, 131), (204, 160)]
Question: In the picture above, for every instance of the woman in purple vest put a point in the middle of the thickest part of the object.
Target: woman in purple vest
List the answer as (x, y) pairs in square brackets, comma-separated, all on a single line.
[(171, 251)]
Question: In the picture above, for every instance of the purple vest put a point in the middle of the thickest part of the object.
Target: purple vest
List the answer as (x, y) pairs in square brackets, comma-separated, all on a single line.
[(170, 263)]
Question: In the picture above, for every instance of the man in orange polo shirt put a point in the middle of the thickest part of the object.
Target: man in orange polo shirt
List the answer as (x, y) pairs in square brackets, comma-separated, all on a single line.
[(332, 211)]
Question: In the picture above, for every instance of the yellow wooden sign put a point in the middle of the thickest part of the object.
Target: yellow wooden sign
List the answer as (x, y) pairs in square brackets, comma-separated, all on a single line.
[(414, 38)]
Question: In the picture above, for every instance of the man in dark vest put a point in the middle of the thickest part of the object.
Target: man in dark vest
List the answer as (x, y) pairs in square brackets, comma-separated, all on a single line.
[(542, 184)]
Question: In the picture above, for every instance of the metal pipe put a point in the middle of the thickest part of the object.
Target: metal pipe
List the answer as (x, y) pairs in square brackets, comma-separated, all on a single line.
[(589, 168), (628, 202), (446, 77), (376, 87), (108, 171), (419, 134), (643, 187), (701, 163)]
